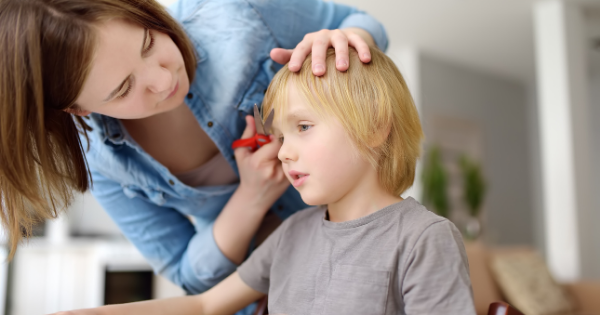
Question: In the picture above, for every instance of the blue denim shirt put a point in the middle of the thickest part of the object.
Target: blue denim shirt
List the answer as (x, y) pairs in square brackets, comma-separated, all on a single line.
[(233, 39)]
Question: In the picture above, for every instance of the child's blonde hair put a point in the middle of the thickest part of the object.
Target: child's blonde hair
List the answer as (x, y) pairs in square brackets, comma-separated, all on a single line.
[(373, 104)]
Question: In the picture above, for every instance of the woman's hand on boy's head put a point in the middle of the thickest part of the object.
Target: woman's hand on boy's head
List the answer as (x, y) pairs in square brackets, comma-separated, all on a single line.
[(317, 43)]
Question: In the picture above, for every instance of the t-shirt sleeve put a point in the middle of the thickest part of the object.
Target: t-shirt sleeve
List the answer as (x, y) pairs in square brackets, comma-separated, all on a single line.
[(256, 270), (436, 274)]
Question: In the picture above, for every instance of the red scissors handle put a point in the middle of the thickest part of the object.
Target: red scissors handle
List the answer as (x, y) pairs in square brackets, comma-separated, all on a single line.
[(253, 143)]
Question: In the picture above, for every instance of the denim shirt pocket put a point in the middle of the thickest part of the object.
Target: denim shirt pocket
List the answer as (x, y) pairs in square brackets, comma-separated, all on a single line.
[(153, 195)]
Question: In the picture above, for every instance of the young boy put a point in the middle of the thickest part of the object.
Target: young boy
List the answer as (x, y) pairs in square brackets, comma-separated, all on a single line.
[(350, 142)]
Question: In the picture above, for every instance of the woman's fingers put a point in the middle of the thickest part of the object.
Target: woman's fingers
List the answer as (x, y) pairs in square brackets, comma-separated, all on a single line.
[(265, 153), (250, 127), (362, 48), (268, 151), (300, 52), (241, 152), (317, 43), (281, 55), (340, 43), (320, 44)]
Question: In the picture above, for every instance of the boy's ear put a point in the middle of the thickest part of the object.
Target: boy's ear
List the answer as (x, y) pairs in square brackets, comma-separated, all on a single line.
[(77, 111), (380, 137)]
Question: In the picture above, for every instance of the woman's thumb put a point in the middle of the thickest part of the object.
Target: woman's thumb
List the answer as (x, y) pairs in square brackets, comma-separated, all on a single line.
[(250, 128)]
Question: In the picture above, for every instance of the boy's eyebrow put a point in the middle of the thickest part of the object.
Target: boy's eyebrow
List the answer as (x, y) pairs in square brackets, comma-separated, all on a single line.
[(293, 113)]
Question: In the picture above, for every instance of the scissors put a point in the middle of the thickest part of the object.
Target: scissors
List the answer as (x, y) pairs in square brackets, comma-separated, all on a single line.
[(261, 137)]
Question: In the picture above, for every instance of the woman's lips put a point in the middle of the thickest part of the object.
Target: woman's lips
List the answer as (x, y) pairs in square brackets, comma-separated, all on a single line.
[(174, 90), (298, 178)]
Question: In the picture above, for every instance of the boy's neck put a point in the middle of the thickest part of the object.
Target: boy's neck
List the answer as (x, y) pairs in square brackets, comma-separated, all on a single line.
[(365, 198)]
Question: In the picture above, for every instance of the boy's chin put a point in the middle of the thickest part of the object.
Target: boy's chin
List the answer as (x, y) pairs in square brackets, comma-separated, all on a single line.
[(313, 200)]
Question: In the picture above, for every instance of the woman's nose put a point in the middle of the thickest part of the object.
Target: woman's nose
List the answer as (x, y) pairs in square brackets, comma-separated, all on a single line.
[(159, 79)]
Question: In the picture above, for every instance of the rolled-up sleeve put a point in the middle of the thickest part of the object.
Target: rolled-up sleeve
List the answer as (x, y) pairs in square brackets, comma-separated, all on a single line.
[(203, 265), (185, 254), (290, 20), (369, 24)]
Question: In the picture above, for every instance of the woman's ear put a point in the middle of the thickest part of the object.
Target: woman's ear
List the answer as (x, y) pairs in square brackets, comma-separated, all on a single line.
[(77, 111)]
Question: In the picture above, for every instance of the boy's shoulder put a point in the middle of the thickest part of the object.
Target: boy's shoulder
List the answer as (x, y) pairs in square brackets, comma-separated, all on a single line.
[(413, 220), (409, 213)]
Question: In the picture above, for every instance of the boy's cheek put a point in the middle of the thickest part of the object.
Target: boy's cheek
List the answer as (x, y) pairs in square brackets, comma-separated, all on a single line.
[(285, 169)]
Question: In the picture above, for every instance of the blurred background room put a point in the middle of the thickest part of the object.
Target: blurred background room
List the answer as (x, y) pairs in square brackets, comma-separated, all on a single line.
[(509, 97)]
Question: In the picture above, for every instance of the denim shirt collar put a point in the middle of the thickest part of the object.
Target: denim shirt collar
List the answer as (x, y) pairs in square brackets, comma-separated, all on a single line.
[(111, 130)]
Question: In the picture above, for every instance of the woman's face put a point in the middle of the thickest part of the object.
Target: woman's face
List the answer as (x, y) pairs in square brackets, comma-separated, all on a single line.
[(135, 73)]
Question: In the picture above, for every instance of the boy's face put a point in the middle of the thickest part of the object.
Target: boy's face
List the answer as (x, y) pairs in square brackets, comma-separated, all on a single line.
[(318, 157)]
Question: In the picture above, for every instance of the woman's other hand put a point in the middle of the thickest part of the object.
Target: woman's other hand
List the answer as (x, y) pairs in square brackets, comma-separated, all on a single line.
[(317, 43), (261, 174), (262, 182)]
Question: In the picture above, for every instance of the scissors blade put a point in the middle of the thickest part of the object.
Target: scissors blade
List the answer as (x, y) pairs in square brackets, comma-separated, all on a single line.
[(258, 121), (269, 121)]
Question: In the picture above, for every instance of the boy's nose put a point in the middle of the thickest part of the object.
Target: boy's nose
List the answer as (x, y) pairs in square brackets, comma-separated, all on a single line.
[(286, 154)]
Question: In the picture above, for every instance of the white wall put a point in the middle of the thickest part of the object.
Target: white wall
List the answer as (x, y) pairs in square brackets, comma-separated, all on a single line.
[(86, 217), (565, 138), (591, 263), (499, 106)]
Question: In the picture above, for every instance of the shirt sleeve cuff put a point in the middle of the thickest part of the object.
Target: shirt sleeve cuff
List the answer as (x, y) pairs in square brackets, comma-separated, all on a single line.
[(369, 24), (250, 277), (205, 265)]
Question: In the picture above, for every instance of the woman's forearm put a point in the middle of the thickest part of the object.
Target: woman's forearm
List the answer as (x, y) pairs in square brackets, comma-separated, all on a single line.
[(185, 305), (237, 224)]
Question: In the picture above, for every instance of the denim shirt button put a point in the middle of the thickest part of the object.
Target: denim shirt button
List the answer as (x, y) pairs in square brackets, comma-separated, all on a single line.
[(171, 182), (280, 207), (210, 123), (190, 95)]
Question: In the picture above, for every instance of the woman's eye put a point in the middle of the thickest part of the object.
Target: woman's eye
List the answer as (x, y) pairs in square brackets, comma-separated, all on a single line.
[(280, 138), (150, 41), (304, 127), (126, 91)]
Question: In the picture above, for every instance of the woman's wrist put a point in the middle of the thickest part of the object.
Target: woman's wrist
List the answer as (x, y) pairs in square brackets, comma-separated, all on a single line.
[(366, 36), (237, 224), (252, 199)]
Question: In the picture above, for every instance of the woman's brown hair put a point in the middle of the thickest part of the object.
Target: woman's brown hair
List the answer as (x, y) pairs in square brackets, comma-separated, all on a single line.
[(47, 48)]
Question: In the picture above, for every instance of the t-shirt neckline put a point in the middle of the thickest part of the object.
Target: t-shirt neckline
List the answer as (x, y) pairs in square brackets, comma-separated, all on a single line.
[(368, 218)]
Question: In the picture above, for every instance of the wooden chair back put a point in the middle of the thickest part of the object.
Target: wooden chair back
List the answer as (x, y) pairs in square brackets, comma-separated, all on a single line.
[(502, 308), (261, 308)]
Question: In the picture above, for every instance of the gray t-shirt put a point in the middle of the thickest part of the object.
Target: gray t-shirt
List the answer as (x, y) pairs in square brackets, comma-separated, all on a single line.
[(402, 259)]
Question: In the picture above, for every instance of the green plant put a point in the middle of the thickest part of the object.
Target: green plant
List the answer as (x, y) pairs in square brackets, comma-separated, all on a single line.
[(435, 182), (473, 185)]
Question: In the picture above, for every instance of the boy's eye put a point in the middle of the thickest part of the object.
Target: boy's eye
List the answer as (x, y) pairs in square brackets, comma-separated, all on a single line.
[(304, 127), (280, 138)]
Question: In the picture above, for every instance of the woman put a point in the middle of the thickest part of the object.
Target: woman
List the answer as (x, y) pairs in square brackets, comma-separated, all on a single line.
[(158, 100)]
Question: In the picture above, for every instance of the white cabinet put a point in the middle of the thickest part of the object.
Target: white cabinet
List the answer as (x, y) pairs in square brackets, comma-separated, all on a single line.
[(51, 277)]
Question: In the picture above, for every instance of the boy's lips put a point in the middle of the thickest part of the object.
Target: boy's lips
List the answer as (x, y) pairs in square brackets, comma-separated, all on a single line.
[(298, 177)]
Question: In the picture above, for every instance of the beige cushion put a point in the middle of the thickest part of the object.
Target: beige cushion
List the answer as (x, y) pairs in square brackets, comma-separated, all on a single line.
[(527, 284)]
